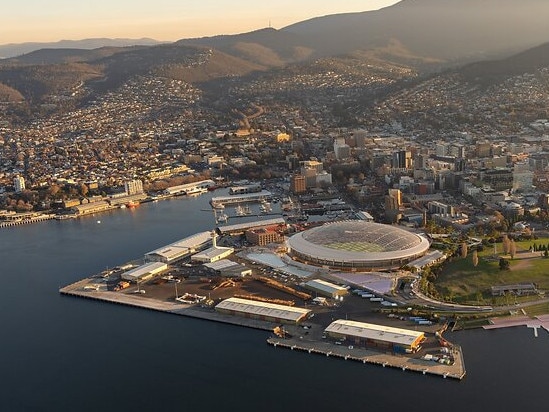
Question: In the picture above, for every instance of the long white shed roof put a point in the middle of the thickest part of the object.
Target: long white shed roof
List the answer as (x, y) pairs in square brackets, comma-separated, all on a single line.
[(373, 331), (263, 308)]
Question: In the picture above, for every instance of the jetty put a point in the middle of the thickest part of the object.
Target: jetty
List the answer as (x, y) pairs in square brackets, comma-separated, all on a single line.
[(383, 359), (95, 288)]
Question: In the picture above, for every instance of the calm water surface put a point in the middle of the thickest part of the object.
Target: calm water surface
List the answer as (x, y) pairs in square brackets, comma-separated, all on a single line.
[(59, 353)]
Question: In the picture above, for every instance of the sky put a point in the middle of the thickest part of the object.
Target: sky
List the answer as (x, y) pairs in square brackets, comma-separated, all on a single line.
[(53, 20)]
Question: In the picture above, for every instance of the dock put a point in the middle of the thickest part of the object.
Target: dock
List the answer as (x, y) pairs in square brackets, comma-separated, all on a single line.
[(383, 359), (78, 289), (93, 288)]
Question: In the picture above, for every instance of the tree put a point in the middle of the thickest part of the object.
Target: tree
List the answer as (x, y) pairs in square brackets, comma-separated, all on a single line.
[(504, 264), (475, 258), (506, 244), (84, 189), (464, 250), (512, 249), (53, 190)]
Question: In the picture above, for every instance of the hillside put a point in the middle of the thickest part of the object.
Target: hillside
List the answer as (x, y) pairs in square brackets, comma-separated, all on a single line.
[(35, 83), (449, 30), (494, 71), (265, 47), (57, 56), (9, 95), (501, 96), (52, 72)]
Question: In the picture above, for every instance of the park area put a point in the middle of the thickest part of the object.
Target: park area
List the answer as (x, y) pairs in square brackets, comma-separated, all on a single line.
[(462, 282)]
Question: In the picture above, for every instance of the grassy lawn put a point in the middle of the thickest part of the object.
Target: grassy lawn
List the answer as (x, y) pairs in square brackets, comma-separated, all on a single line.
[(463, 282), (536, 310)]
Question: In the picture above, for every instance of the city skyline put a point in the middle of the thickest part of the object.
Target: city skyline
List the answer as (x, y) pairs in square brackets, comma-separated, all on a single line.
[(164, 20)]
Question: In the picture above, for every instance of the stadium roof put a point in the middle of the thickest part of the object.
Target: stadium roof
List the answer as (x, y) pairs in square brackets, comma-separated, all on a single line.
[(375, 332), (358, 241)]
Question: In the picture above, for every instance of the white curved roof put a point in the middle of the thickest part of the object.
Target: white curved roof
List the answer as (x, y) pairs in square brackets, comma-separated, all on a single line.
[(358, 241)]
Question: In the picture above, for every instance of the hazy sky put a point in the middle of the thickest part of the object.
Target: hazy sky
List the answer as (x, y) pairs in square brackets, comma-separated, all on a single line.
[(52, 20)]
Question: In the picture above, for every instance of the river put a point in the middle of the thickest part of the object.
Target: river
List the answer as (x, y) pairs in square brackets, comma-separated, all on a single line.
[(61, 353)]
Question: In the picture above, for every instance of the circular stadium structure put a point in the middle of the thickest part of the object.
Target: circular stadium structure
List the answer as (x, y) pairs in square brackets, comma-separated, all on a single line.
[(357, 245)]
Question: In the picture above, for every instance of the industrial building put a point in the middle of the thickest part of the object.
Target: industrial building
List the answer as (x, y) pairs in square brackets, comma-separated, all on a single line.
[(380, 337), (214, 253), (188, 187), (269, 312), (180, 249), (234, 199), (228, 268), (519, 289), (326, 288), (144, 272), (240, 190), (241, 228)]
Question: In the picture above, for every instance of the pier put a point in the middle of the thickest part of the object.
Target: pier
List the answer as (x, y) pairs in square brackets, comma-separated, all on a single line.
[(82, 289), (24, 221), (96, 289), (365, 356)]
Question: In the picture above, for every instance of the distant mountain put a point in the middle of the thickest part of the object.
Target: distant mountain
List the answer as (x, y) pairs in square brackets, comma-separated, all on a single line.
[(58, 56), (14, 50), (394, 43), (450, 30), (267, 47), (494, 71), (56, 71), (418, 32)]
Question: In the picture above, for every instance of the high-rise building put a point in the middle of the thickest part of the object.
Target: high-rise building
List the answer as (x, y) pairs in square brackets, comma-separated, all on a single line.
[(133, 187), (297, 184), (341, 149), (19, 183), (402, 159), (393, 201), (441, 149)]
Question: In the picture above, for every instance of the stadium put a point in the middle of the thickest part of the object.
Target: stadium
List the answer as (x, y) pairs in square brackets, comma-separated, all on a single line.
[(357, 245)]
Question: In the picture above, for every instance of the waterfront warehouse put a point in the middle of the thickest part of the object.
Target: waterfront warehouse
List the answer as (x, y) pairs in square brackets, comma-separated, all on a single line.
[(241, 228), (244, 198), (144, 272), (326, 288), (213, 254), (180, 249), (374, 336), (357, 245), (269, 312)]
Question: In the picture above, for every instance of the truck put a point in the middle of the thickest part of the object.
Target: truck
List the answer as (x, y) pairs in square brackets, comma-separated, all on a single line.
[(123, 284)]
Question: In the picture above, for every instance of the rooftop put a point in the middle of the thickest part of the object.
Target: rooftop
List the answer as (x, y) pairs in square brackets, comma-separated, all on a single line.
[(263, 308), (373, 331)]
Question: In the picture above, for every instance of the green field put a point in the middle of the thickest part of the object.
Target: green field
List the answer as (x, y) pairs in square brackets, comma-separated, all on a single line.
[(463, 282), (360, 247)]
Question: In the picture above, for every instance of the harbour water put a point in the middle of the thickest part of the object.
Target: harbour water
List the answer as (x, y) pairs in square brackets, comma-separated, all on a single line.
[(66, 354)]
